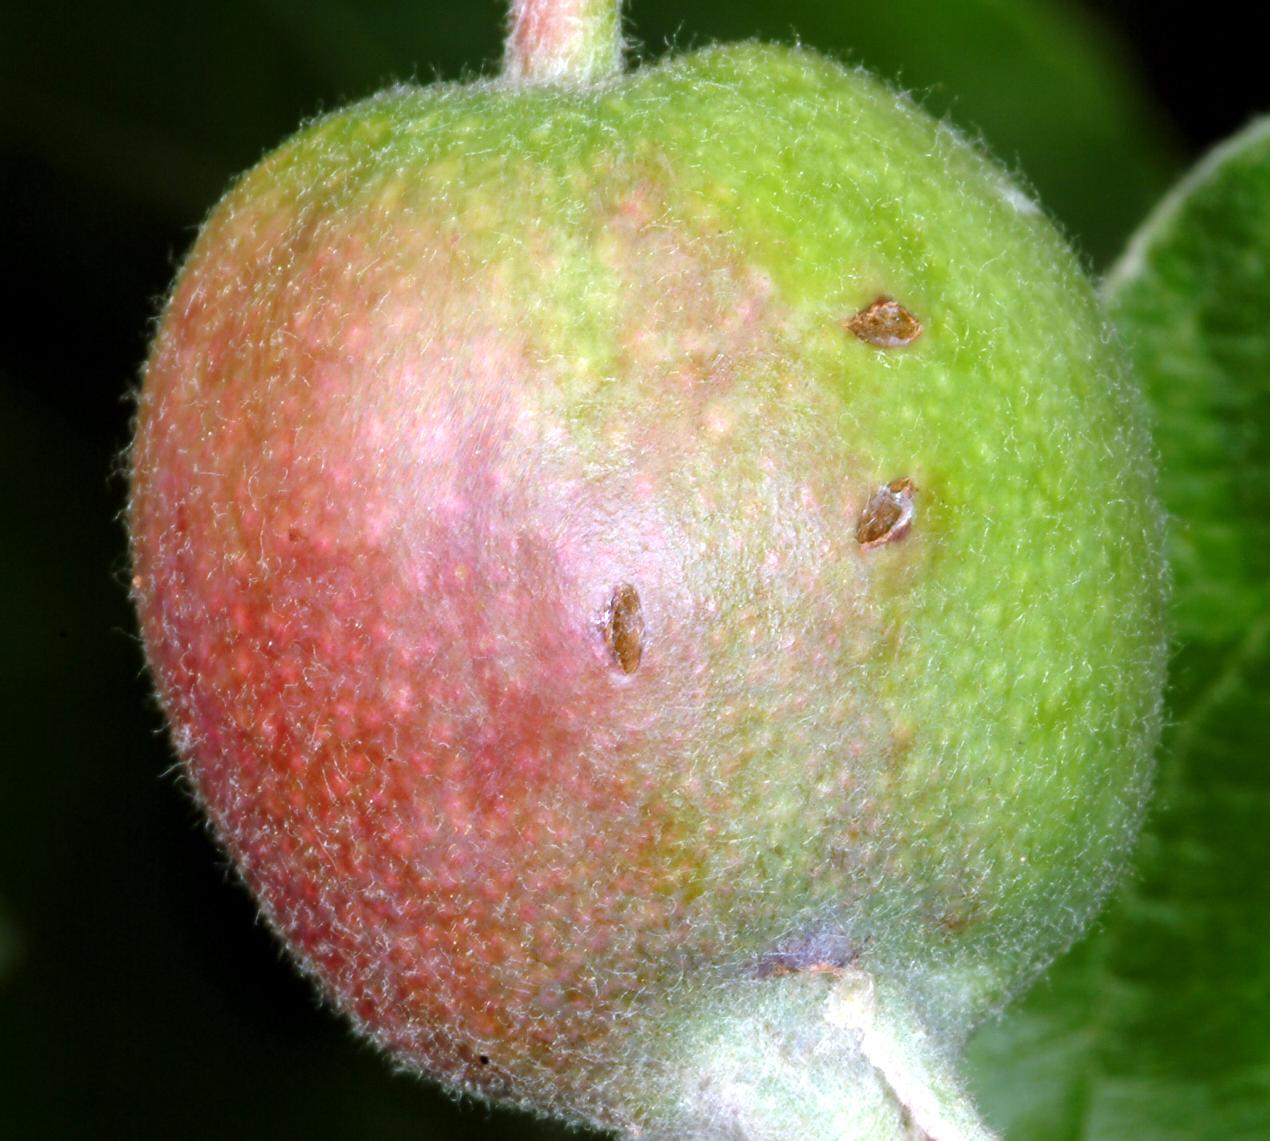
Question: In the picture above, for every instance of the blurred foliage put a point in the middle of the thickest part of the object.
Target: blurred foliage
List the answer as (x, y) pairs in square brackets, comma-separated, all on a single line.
[(1156, 1027), (138, 995), (164, 106)]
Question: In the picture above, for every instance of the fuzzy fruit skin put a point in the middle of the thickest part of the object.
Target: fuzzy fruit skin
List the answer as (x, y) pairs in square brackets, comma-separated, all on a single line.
[(453, 365)]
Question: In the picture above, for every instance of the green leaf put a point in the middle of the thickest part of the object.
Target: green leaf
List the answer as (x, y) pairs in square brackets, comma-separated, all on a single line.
[(1158, 1026)]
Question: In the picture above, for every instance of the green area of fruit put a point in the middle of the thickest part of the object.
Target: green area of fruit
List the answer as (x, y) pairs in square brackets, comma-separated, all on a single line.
[(1149, 1028)]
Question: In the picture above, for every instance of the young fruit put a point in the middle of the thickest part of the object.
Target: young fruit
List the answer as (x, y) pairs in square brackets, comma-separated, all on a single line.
[(656, 581)]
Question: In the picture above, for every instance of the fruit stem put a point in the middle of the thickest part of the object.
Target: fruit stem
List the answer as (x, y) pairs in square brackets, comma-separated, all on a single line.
[(569, 43)]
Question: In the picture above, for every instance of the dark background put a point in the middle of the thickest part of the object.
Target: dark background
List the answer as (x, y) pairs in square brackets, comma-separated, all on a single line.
[(138, 994)]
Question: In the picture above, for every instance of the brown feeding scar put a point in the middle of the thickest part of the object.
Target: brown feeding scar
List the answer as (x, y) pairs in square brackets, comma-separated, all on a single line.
[(887, 515), (623, 627), (886, 324)]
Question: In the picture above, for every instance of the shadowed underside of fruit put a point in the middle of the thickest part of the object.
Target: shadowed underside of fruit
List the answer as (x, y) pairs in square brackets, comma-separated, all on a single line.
[(581, 596)]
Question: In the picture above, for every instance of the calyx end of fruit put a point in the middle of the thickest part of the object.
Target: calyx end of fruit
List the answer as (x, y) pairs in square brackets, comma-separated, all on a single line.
[(563, 43), (836, 1054)]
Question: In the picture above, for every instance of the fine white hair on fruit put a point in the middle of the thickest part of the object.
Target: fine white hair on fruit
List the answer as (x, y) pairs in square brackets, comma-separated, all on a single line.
[(1020, 201)]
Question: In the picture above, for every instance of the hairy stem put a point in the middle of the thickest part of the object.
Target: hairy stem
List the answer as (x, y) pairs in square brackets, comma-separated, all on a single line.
[(571, 43)]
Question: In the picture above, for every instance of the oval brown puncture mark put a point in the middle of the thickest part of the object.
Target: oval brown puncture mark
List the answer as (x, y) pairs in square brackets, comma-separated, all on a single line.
[(623, 628), (888, 514), (886, 324)]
